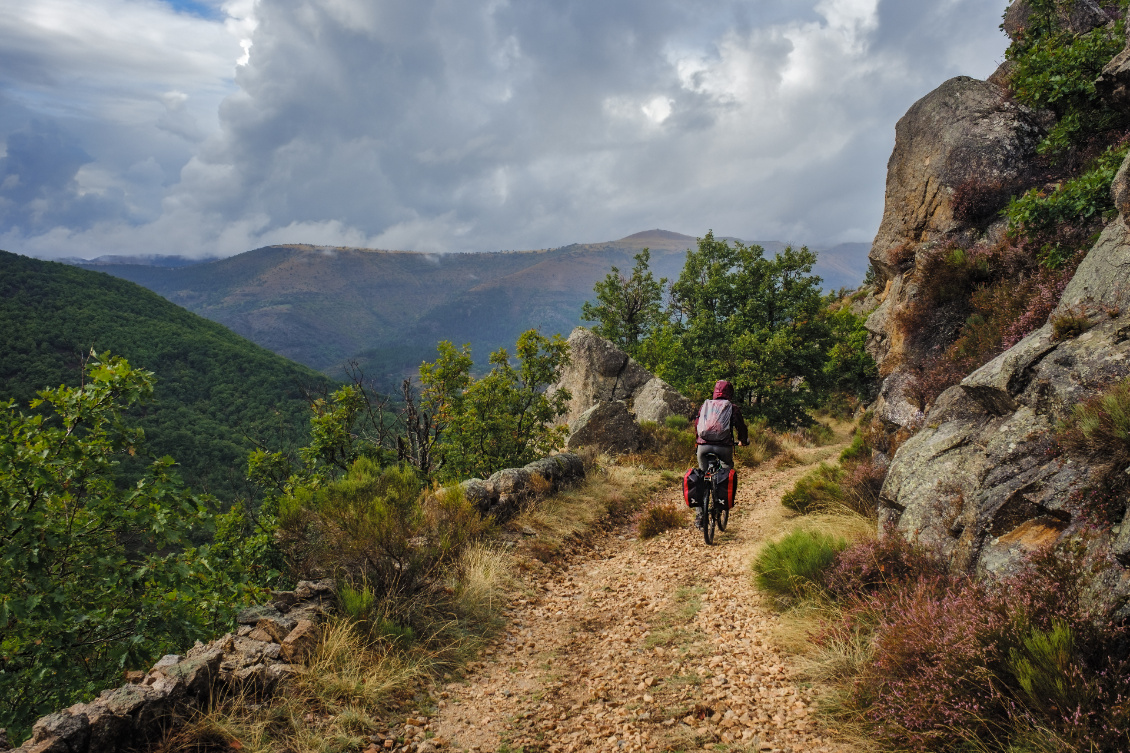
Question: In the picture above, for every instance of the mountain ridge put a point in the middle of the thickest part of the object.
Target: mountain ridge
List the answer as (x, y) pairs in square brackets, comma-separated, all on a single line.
[(385, 309)]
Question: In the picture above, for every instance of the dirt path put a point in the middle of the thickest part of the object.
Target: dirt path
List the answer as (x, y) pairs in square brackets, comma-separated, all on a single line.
[(644, 646)]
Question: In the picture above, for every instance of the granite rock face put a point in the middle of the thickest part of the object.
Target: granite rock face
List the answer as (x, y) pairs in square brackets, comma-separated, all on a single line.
[(964, 130), (979, 481), (964, 133), (599, 372), (608, 426)]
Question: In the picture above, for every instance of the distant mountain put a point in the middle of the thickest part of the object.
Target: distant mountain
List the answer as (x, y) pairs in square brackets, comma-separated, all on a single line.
[(387, 309), (215, 390)]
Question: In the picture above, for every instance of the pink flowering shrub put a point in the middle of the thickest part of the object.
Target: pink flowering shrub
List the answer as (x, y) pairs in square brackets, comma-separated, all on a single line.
[(961, 664)]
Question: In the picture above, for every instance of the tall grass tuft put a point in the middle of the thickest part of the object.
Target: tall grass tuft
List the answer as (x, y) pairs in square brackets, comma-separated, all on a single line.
[(819, 489), (660, 518), (796, 565)]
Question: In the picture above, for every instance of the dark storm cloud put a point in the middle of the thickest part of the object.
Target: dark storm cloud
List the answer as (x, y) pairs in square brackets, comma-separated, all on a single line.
[(451, 125)]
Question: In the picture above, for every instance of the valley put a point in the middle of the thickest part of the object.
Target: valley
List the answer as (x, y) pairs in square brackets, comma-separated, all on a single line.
[(386, 310)]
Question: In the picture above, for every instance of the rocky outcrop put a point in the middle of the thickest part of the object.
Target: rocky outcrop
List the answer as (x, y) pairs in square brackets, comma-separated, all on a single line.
[(271, 644), (599, 372), (965, 130), (608, 426), (1079, 17), (978, 477), (966, 137), (502, 495), (978, 482)]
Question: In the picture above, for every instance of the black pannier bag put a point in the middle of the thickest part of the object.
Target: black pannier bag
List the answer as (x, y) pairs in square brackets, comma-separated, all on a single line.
[(694, 487)]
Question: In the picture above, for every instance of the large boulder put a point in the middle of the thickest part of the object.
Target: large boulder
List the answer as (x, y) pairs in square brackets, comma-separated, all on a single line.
[(657, 400), (978, 482), (966, 139), (608, 427), (599, 372), (964, 131)]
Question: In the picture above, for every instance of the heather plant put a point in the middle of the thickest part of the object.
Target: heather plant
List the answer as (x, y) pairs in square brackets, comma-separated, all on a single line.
[(882, 565), (958, 663), (795, 565)]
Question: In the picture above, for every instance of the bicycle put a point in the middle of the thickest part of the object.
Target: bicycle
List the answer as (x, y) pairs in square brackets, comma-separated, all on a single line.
[(715, 513)]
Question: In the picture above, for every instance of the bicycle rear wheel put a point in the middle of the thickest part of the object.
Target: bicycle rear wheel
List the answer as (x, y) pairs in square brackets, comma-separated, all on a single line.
[(723, 518), (709, 517)]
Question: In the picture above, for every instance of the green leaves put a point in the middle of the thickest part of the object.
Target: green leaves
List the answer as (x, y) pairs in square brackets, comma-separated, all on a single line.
[(756, 322), (628, 309), (1038, 215), (95, 574), (503, 419), (1056, 69)]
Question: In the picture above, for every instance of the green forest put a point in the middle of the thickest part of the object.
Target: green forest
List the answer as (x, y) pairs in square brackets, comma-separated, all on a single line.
[(218, 396)]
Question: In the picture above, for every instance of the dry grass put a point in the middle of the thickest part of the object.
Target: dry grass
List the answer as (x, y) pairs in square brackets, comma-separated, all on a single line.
[(608, 490), (661, 518), (359, 675), (330, 707)]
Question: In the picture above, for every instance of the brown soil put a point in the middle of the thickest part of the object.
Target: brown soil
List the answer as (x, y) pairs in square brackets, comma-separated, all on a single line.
[(645, 646)]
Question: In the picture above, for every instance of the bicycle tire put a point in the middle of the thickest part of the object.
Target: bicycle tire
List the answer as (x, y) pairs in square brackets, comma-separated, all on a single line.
[(723, 518), (709, 518)]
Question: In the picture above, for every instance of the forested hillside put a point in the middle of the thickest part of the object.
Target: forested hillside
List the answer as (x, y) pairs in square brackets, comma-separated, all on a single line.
[(387, 309), (216, 391)]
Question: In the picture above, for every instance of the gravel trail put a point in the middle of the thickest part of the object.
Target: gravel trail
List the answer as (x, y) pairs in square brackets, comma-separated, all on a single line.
[(644, 646)]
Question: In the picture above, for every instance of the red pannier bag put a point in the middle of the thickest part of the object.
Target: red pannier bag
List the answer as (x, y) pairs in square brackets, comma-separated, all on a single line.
[(726, 486), (694, 487)]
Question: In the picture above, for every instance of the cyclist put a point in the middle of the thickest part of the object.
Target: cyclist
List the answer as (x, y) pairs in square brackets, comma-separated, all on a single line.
[(715, 423)]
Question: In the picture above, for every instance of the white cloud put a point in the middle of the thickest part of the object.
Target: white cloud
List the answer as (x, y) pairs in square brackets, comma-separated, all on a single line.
[(464, 124)]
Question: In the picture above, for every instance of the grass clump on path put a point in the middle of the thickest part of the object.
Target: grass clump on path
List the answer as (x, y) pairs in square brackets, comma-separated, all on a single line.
[(795, 565)]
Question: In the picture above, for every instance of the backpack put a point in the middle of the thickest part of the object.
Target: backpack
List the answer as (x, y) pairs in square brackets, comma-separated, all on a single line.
[(714, 422), (694, 487)]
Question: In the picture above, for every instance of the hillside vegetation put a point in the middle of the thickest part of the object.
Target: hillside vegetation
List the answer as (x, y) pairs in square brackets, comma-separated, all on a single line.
[(217, 394), (386, 309)]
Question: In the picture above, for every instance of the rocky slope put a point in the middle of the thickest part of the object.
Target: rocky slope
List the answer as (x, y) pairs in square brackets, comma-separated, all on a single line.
[(979, 478)]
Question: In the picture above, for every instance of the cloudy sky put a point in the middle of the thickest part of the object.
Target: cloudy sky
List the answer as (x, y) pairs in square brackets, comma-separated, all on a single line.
[(210, 127)]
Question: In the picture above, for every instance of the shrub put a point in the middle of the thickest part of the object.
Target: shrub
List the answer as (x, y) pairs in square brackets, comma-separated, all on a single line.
[(816, 435), (662, 447), (795, 565), (881, 565), (1070, 324), (977, 201), (959, 664), (817, 490), (374, 526), (661, 518), (1039, 216), (677, 423), (857, 450), (1099, 428)]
